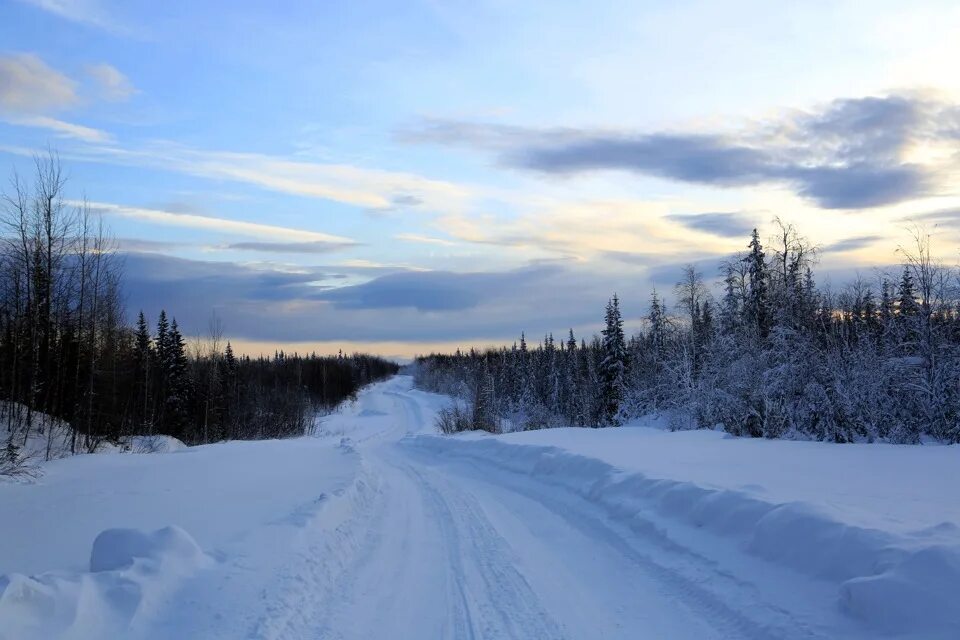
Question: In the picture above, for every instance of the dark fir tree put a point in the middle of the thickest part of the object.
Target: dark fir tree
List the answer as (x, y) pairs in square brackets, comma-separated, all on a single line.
[(613, 366), (143, 348)]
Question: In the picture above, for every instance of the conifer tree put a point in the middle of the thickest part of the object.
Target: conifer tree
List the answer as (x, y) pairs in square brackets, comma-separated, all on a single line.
[(758, 298), (907, 306), (613, 366), (657, 320), (178, 383), (144, 363), (730, 310), (161, 356)]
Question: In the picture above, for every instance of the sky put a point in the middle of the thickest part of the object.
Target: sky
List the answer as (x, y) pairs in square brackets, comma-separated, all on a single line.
[(402, 177)]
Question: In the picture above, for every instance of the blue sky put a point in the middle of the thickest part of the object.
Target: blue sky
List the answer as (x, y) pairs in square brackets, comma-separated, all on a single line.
[(401, 176)]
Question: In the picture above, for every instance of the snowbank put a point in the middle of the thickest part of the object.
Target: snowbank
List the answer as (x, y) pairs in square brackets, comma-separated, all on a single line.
[(216, 492), (151, 444), (52, 439), (894, 580), (88, 553), (130, 571)]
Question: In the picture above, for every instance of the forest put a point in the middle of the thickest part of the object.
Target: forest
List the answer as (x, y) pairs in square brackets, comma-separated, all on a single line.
[(772, 355), (68, 353)]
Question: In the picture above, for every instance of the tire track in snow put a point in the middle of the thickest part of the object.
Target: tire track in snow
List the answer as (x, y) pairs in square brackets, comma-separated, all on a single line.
[(503, 603), (687, 579)]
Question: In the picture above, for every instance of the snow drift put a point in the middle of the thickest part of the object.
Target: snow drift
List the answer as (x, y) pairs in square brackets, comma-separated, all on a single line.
[(893, 581), (86, 552), (130, 570)]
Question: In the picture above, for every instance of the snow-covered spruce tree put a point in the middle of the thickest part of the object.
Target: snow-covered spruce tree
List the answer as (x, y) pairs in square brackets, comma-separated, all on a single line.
[(613, 366), (648, 388), (757, 307), (572, 383), (777, 357), (485, 414)]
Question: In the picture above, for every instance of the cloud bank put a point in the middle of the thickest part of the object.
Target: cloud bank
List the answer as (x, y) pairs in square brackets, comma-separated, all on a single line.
[(848, 154)]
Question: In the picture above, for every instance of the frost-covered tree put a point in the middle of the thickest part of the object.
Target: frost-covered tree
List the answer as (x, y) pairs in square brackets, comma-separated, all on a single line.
[(757, 307), (777, 357), (613, 366)]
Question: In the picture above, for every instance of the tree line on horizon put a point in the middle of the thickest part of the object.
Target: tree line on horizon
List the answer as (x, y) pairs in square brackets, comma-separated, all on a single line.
[(68, 356), (775, 356)]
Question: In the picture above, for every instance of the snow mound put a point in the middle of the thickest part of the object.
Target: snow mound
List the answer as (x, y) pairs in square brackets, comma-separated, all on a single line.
[(121, 548), (153, 444), (895, 582), (130, 572), (920, 588)]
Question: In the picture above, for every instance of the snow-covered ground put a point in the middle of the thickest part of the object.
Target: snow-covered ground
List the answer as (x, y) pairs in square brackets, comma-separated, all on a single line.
[(377, 528)]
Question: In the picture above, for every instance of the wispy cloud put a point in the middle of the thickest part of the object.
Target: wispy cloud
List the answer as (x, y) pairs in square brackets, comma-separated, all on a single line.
[(111, 83), (86, 12), (946, 218), (727, 225), (852, 244), (221, 225), (62, 128), (413, 237), (848, 154), (434, 291), (369, 189), (312, 247), (29, 86), (141, 245), (30, 90)]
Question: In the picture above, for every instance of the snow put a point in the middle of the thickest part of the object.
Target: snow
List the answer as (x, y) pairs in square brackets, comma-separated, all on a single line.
[(120, 548), (130, 572), (53, 438), (377, 527), (205, 497), (878, 521), (897, 488)]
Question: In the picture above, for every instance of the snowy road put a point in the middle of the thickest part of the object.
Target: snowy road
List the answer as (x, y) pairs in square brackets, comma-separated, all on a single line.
[(387, 538), (450, 549)]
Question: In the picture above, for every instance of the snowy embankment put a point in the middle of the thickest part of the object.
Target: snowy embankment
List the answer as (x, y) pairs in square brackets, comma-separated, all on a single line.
[(52, 439), (879, 521), (98, 544)]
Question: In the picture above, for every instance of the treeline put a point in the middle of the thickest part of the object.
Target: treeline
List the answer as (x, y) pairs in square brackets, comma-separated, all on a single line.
[(774, 355), (213, 395), (66, 351)]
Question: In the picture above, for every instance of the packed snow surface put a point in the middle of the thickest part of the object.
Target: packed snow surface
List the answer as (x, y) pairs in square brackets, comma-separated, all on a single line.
[(902, 488), (376, 527)]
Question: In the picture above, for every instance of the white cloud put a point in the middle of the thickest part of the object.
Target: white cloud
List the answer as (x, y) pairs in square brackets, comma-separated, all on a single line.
[(86, 12), (222, 225), (413, 237), (64, 129), (372, 189), (111, 83), (28, 85)]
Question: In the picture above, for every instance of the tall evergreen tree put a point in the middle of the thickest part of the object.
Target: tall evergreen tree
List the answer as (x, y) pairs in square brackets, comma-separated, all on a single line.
[(907, 306), (730, 310), (178, 388), (758, 299), (658, 328), (144, 363), (613, 366), (161, 368)]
